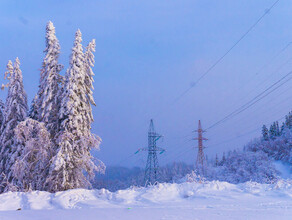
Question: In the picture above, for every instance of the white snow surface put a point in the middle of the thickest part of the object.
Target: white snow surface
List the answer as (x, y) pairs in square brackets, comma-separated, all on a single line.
[(210, 200)]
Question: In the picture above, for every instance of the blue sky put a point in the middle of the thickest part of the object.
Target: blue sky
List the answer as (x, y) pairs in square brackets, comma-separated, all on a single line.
[(149, 52)]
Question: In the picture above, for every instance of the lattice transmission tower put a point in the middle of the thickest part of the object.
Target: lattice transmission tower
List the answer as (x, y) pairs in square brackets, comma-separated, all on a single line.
[(151, 170), (201, 160)]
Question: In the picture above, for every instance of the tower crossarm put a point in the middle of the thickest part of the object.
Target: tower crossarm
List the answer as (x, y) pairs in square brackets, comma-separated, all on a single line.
[(147, 149), (200, 130), (141, 149), (202, 138)]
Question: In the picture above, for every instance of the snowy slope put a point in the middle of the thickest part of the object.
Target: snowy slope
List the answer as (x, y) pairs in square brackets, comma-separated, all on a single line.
[(211, 200), (283, 169)]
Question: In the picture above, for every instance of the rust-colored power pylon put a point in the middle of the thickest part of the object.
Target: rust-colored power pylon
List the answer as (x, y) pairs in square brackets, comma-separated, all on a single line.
[(201, 161)]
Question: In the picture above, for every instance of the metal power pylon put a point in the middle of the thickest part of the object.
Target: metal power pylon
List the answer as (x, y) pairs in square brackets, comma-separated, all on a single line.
[(151, 170), (201, 161)]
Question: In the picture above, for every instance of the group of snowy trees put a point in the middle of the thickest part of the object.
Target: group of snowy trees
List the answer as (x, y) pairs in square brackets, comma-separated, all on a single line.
[(48, 147), (275, 131), (278, 144), (255, 161), (243, 165)]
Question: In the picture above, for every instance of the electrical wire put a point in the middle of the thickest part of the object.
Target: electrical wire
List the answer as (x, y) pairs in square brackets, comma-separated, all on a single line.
[(253, 101), (275, 107), (247, 133)]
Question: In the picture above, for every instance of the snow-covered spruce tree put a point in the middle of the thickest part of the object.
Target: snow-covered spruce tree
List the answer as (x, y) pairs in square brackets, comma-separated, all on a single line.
[(15, 111), (272, 131), (288, 120), (216, 161), (88, 64), (46, 104), (265, 133), (8, 74), (73, 165), (34, 147), (33, 111)]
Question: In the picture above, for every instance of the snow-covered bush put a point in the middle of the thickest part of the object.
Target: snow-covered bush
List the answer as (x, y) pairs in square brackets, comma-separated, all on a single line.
[(194, 177), (34, 153)]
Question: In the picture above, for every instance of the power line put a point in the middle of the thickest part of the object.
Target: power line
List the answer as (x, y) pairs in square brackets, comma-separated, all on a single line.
[(274, 107), (221, 121), (253, 101), (247, 133), (273, 58), (262, 82), (263, 67), (227, 52)]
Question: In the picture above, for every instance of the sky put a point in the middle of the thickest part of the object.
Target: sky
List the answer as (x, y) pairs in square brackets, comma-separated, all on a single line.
[(150, 52)]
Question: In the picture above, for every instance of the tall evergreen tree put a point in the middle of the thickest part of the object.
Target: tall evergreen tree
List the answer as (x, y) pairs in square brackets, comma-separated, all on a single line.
[(73, 163), (216, 161), (277, 129), (272, 131), (15, 112), (288, 120), (223, 158), (283, 126), (265, 133), (45, 106)]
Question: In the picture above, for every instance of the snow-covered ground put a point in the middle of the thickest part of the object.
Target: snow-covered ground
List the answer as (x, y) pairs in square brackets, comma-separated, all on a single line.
[(211, 200)]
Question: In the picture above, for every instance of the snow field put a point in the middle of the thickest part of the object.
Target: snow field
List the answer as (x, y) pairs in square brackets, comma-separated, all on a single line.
[(210, 200)]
